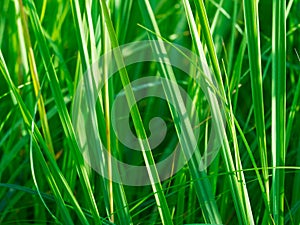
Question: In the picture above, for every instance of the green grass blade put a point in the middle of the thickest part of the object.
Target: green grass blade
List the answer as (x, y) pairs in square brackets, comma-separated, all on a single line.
[(253, 39), (232, 39), (49, 49), (138, 124), (82, 40), (237, 181), (35, 77), (61, 107), (202, 185), (116, 190), (27, 119), (278, 107), (292, 111), (201, 11)]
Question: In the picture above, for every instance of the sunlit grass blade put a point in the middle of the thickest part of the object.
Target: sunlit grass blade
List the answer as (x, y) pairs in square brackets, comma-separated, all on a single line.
[(110, 189), (278, 108), (201, 183), (35, 77), (205, 28), (85, 62), (106, 48), (231, 61), (138, 124), (244, 196), (116, 190), (253, 39), (237, 181)]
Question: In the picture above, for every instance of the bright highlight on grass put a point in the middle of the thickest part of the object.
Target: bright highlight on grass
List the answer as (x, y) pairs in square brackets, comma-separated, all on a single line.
[(246, 54)]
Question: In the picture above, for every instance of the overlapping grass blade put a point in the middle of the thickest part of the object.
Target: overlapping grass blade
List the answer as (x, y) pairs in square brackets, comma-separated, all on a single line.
[(209, 42), (237, 181), (201, 183), (85, 62), (49, 48), (27, 119), (293, 110), (122, 21), (35, 77), (61, 107), (138, 124)]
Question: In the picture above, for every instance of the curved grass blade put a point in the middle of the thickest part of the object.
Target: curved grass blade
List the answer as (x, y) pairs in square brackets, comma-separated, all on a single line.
[(237, 181), (138, 124), (61, 107), (209, 42), (35, 77), (27, 119), (202, 185)]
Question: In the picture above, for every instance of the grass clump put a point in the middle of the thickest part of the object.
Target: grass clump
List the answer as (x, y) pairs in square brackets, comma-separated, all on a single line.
[(250, 50)]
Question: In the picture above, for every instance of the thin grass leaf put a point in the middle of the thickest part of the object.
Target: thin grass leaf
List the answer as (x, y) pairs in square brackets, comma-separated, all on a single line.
[(138, 124), (35, 78), (293, 110), (27, 119), (61, 107), (201, 12), (85, 61), (53, 176), (237, 182), (253, 39), (202, 185)]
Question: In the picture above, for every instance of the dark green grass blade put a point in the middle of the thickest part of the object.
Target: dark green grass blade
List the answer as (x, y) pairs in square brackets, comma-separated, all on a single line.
[(27, 119)]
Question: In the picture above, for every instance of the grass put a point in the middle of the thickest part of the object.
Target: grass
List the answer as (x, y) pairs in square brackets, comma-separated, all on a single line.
[(252, 84), (278, 107)]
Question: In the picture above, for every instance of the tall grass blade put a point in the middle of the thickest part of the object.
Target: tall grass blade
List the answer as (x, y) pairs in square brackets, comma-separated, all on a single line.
[(253, 38), (61, 107), (138, 124), (81, 34), (37, 136), (237, 181), (278, 108), (202, 185), (201, 11), (35, 78)]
